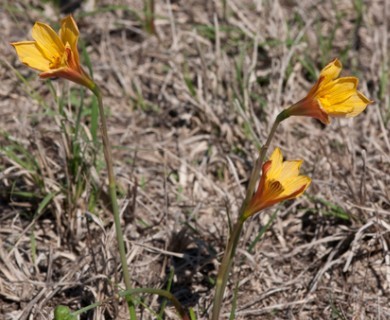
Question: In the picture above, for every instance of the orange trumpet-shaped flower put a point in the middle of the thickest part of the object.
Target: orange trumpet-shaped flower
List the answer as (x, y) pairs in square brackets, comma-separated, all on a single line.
[(55, 55), (280, 181), (331, 97)]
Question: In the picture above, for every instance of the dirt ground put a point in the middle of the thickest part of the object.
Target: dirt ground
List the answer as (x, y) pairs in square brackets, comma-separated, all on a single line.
[(188, 105)]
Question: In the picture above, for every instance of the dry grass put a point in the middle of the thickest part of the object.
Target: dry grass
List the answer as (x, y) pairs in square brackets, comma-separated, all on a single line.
[(187, 109)]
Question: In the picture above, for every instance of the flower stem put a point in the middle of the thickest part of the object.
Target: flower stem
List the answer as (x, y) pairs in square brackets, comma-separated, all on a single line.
[(149, 16), (224, 268), (112, 191), (259, 162), (230, 251)]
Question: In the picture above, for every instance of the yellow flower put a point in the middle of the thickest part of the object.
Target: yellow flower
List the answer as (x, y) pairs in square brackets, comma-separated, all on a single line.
[(55, 55), (279, 181), (331, 97)]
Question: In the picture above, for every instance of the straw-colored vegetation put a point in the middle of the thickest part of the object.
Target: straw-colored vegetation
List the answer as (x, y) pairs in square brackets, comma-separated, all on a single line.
[(191, 92)]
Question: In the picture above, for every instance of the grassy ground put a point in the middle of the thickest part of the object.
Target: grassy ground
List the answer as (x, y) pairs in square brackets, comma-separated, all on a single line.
[(187, 109)]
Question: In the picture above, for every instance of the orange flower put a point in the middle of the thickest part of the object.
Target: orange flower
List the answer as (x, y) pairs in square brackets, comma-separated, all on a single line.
[(55, 55), (279, 181), (331, 97)]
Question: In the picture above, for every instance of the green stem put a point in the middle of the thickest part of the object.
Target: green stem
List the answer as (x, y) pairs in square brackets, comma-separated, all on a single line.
[(259, 162), (225, 267), (149, 16), (230, 251), (112, 192)]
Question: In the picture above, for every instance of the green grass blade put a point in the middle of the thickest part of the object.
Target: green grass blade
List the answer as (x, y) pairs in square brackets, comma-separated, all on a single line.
[(169, 286), (262, 231)]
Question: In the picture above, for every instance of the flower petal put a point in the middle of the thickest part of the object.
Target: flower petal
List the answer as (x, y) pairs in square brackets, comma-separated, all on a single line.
[(331, 70), (339, 109), (350, 107), (69, 33), (330, 97), (309, 107), (70, 74), (269, 195), (276, 166), (290, 169), (48, 41), (295, 186), (31, 55), (358, 102), (278, 184), (339, 90)]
